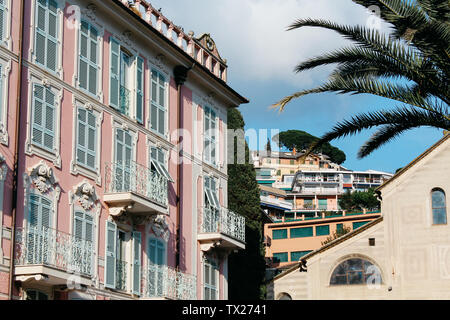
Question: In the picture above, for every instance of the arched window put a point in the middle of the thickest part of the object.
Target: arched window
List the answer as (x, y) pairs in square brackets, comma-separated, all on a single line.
[(284, 296), (438, 206), (355, 271)]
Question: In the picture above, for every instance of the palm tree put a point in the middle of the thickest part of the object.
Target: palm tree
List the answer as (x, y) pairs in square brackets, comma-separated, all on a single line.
[(410, 66)]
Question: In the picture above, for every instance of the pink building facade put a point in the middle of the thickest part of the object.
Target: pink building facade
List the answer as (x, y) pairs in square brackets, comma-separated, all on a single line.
[(103, 196)]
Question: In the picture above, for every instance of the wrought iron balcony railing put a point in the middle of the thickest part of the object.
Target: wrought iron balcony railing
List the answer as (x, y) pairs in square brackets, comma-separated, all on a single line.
[(135, 178), (49, 247), (224, 221), (162, 281)]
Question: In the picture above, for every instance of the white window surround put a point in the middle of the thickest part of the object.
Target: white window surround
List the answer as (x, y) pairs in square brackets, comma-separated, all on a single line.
[(77, 203), (86, 15), (6, 70), (7, 40), (213, 263), (53, 192), (30, 148), (76, 168), (60, 24)]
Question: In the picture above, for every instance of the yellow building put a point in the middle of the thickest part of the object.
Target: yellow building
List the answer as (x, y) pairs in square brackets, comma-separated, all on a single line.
[(404, 254)]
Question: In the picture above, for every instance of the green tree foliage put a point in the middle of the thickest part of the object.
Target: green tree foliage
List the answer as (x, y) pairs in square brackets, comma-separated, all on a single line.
[(410, 65), (359, 200), (337, 234), (246, 267), (301, 140)]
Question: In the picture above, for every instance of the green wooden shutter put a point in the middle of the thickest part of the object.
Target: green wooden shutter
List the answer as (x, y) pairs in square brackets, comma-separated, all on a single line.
[(114, 73), (2, 20), (88, 64), (140, 90), (137, 263), (110, 255)]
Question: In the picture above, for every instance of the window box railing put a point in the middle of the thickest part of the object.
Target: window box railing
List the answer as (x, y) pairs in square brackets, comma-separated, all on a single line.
[(49, 247), (135, 178), (222, 221), (161, 281)]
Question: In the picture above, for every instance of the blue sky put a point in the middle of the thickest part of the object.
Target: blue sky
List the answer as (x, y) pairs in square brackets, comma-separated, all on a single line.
[(261, 56)]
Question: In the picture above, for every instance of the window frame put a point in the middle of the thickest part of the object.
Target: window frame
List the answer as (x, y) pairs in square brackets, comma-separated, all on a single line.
[(208, 136), (30, 148), (59, 29), (98, 95), (77, 168), (441, 190), (365, 275)]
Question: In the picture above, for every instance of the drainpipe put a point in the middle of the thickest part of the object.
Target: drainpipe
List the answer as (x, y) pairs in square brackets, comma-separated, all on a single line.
[(180, 73), (16, 152)]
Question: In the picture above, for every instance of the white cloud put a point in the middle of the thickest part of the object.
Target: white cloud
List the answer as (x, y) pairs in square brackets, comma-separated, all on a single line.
[(252, 36)]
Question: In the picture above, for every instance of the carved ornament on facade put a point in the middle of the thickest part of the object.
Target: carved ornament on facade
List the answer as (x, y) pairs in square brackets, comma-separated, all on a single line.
[(160, 227), (86, 195), (42, 177)]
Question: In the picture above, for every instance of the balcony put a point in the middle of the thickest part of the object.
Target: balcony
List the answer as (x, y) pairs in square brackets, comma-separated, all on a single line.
[(221, 228), (136, 189), (277, 202), (163, 282), (44, 254)]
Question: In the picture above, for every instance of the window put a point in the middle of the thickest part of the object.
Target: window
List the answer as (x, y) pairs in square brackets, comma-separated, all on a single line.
[(117, 261), (292, 162), (158, 108), (301, 232), (39, 235), (295, 256), (211, 192), (210, 278), (46, 45), (157, 261), (123, 160), (158, 163), (280, 257), (339, 228), (43, 118), (36, 295), (83, 231), (356, 225), (210, 136), (354, 271), (279, 234), (88, 58), (322, 230), (40, 214), (438, 203), (126, 79), (87, 139), (323, 204)]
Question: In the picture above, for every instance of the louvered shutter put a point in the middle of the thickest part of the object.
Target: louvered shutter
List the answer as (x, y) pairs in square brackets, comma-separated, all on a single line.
[(137, 263), (78, 225), (52, 39), (1, 92), (110, 255), (38, 106), (49, 133), (87, 135), (114, 73), (84, 49), (88, 64), (40, 36), (2, 20), (140, 90)]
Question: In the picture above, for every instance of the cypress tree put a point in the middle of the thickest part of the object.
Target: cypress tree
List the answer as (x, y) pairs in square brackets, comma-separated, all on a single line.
[(246, 267)]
